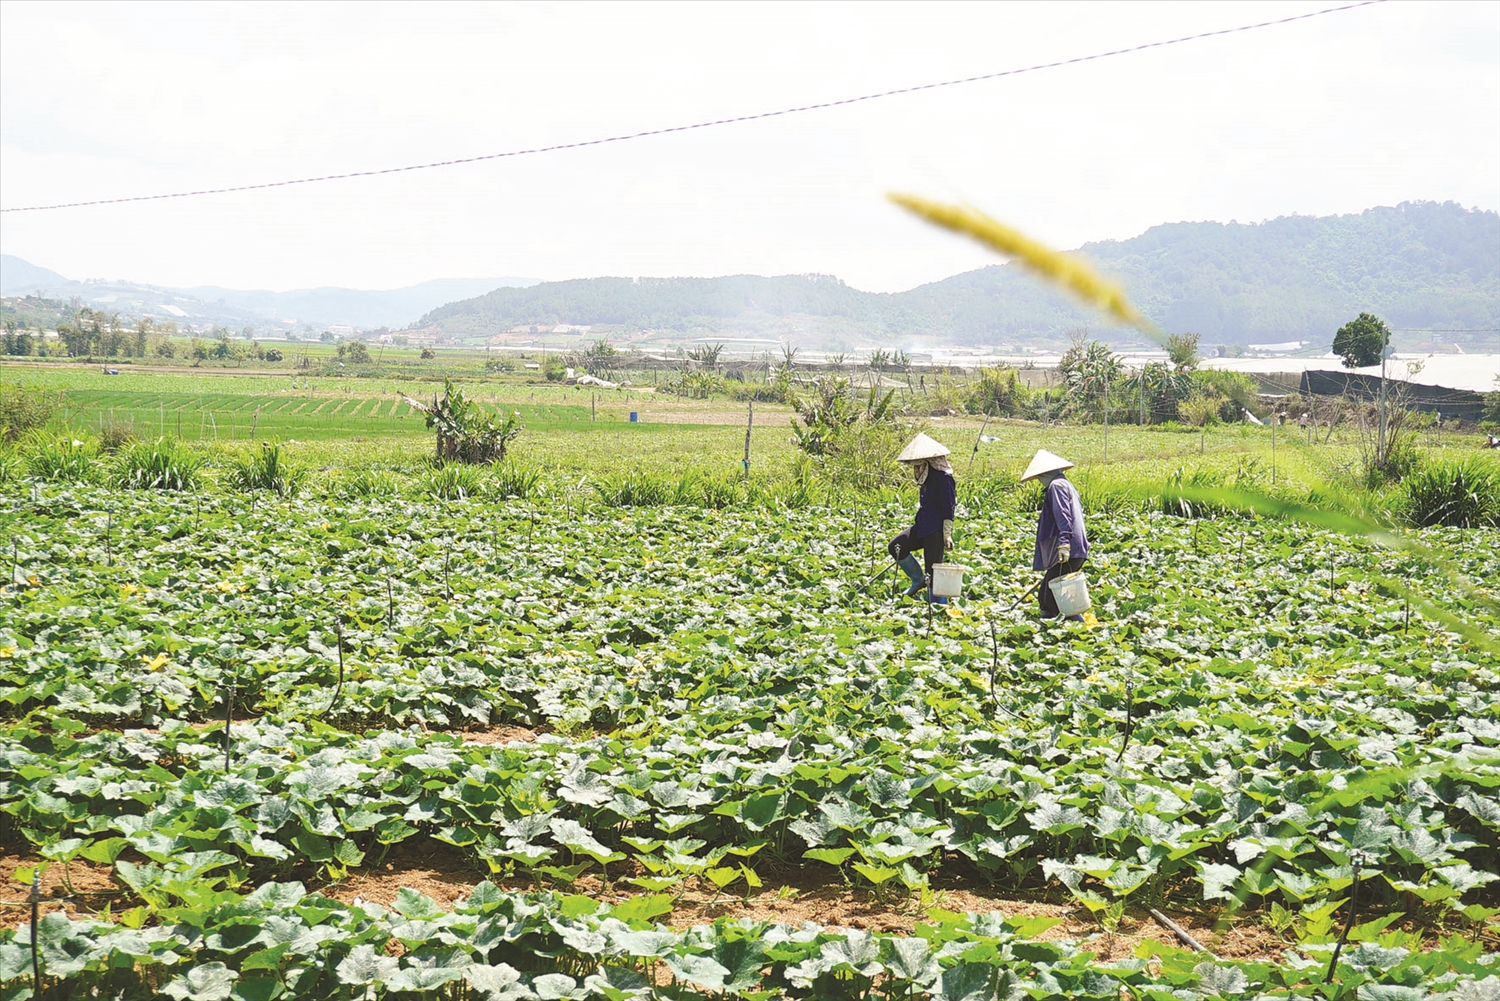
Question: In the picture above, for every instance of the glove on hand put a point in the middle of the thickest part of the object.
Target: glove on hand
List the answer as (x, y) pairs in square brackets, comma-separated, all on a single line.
[(1064, 553), (948, 534)]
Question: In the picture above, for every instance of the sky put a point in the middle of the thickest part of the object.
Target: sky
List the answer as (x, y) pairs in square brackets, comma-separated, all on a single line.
[(1390, 102)]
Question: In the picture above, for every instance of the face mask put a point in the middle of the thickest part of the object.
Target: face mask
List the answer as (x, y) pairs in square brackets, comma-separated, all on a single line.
[(919, 471)]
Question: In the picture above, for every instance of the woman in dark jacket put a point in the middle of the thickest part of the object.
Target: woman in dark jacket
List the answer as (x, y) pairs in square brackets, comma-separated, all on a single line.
[(932, 529)]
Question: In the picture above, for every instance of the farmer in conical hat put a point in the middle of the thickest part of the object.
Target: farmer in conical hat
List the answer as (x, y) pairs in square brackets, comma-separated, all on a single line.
[(1061, 545), (932, 530)]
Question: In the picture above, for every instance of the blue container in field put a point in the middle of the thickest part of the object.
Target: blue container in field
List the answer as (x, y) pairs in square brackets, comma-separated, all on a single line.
[(635, 417)]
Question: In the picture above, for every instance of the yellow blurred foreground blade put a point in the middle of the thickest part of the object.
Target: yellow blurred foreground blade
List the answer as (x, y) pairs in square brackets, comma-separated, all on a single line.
[(1072, 273)]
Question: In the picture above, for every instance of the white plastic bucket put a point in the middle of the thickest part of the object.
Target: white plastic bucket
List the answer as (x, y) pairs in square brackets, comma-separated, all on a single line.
[(1071, 592), (947, 580)]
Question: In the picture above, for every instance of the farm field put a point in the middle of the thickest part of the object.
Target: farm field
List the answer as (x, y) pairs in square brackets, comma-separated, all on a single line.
[(609, 720), (680, 750)]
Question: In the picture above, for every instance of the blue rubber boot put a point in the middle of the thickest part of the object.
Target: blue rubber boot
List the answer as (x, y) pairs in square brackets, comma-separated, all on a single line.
[(913, 569), (937, 599)]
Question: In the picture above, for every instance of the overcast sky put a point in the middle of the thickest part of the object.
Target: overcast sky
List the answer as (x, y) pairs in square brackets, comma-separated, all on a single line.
[(1392, 102)]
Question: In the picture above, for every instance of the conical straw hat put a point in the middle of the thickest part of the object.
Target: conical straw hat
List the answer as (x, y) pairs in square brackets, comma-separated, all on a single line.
[(922, 447), (1045, 462)]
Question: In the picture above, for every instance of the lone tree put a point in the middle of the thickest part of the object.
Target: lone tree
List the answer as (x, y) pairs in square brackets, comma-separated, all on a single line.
[(1362, 341), (1182, 349)]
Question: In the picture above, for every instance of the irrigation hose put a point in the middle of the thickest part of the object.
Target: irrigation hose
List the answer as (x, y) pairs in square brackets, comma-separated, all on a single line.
[(1333, 961), (1181, 933)]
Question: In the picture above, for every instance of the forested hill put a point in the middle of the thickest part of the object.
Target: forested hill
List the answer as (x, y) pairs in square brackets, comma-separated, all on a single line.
[(1418, 265)]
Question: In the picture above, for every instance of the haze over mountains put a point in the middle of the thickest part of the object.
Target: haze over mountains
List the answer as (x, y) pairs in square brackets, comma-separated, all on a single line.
[(1431, 270), (1418, 265)]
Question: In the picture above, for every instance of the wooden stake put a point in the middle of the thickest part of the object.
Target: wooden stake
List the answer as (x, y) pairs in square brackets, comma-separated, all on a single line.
[(749, 423), (228, 718)]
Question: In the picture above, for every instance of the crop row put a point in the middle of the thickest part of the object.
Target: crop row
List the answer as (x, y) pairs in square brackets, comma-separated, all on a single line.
[(281, 941)]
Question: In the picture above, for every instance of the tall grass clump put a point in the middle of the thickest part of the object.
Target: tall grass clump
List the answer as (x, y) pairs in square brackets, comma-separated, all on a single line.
[(720, 491), (367, 484), (165, 464), (452, 481), (1462, 494), (268, 469), (637, 489), (511, 479), (64, 460)]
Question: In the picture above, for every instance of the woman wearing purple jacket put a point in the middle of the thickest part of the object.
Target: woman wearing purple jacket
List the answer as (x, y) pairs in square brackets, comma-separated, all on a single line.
[(1061, 544)]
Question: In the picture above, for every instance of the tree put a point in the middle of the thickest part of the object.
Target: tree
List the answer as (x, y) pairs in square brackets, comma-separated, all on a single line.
[(354, 352), (1088, 367), (1182, 349), (1362, 341), (428, 354)]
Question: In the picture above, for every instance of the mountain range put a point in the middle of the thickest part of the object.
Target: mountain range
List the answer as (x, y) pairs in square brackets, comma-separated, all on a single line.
[(268, 312), (1422, 266), (1431, 270)]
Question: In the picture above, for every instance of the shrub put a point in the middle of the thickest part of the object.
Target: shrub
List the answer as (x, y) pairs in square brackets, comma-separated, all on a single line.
[(266, 469), (65, 459), (165, 464), (1463, 494), (998, 392), (465, 430), (24, 410), (116, 435)]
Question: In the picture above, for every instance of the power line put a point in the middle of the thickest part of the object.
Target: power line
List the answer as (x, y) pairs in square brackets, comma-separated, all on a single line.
[(696, 125)]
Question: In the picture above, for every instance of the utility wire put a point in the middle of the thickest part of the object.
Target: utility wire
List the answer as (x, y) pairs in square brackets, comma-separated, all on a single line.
[(696, 125)]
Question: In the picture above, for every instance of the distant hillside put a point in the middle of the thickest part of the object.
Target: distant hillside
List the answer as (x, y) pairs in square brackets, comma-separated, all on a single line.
[(1422, 264), (266, 311), (17, 277)]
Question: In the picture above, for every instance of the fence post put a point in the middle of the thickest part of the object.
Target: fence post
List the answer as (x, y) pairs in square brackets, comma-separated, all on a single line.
[(749, 423), (1106, 418)]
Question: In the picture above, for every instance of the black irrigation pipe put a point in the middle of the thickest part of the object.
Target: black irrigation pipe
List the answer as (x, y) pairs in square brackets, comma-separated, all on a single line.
[(36, 963), (338, 629), (1333, 961), (1181, 933), (1129, 719), (228, 719), (995, 673)]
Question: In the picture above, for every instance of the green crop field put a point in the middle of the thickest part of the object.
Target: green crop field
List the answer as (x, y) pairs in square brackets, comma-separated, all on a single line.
[(607, 721)]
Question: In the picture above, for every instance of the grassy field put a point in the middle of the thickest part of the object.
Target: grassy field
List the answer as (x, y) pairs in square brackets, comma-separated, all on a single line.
[(578, 431)]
